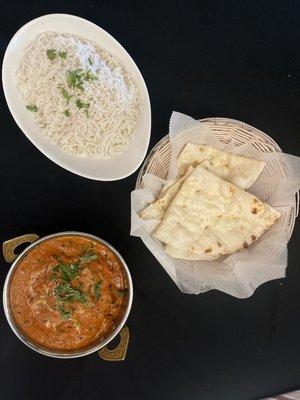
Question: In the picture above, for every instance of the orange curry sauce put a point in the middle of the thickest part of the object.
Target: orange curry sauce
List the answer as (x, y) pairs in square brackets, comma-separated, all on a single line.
[(68, 292)]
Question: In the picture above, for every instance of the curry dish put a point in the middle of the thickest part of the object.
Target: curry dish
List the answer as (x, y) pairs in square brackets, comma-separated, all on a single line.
[(68, 292)]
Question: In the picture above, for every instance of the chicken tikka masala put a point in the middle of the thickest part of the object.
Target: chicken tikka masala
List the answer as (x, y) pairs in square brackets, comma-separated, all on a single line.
[(68, 292)]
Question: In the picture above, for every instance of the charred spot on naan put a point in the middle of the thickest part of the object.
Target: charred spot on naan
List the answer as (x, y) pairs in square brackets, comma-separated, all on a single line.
[(257, 206), (209, 250)]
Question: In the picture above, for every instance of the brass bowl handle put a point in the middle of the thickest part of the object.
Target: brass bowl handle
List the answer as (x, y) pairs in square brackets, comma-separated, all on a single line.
[(119, 353), (9, 246)]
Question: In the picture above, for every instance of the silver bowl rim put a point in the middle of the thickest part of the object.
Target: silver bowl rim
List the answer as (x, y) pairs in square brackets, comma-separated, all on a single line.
[(74, 353)]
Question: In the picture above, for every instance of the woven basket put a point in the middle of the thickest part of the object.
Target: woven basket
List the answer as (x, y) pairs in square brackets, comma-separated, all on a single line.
[(158, 160)]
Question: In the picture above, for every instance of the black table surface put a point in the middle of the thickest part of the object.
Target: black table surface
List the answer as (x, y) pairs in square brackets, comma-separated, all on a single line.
[(237, 59)]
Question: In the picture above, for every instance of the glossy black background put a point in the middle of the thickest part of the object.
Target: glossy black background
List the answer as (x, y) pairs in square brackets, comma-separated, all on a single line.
[(236, 59)]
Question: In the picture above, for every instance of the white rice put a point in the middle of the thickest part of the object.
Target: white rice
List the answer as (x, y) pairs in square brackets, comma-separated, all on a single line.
[(113, 96)]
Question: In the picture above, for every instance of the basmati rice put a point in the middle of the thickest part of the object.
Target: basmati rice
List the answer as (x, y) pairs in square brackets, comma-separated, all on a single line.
[(105, 124)]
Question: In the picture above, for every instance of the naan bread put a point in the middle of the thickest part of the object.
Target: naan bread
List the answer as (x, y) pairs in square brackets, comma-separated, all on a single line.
[(210, 217), (156, 210), (187, 255), (241, 171)]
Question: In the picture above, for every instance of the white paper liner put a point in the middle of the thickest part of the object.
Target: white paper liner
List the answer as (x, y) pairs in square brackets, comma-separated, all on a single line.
[(240, 273)]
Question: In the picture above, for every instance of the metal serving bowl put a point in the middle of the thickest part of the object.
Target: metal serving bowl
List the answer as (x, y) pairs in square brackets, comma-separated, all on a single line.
[(116, 354)]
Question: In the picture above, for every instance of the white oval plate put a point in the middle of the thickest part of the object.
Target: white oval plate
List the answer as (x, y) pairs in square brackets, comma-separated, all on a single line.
[(118, 166)]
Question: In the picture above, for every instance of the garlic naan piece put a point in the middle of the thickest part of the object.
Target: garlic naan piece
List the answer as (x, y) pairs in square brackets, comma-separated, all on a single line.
[(239, 170), (210, 217), (156, 210)]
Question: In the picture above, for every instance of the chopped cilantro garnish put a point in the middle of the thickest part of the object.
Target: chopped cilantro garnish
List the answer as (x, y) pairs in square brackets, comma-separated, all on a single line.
[(32, 108), (121, 292), (66, 95), (65, 314), (63, 54), (67, 290), (88, 76), (51, 54), (74, 79), (97, 288), (80, 104), (66, 272), (67, 293), (88, 256)]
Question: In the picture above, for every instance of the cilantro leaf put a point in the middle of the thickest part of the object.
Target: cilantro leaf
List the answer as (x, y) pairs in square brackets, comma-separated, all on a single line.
[(66, 95), (63, 54), (65, 314), (51, 54), (67, 293), (74, 79), (32, 108), (88, 76), (97, 288), (54, 273), (121, 292), (66, 272), (88, 256), (81, 104)]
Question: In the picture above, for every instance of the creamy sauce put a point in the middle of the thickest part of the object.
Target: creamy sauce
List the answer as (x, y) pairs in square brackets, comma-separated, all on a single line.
[(68, 292)]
